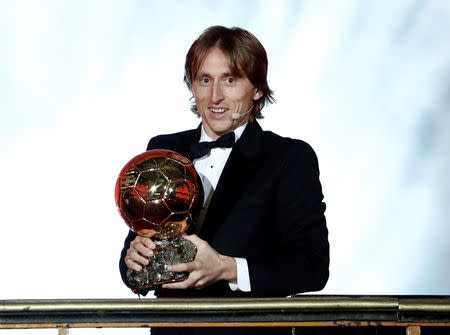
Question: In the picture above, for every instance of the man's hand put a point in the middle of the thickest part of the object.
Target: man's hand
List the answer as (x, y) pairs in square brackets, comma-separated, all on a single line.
[(207, 268), (140, 249)]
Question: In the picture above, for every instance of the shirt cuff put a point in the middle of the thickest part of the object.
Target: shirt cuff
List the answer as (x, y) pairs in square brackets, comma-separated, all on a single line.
[(243, 277)]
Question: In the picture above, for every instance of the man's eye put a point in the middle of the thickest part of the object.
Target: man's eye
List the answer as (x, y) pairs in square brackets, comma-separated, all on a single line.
[(204, 80), (229, 80)]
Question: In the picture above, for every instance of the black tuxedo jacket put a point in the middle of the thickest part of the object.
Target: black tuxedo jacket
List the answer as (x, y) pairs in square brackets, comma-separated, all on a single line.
[(267, 208)]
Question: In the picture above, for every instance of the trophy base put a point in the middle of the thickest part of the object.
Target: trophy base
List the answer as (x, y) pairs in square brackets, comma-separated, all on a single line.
[(168, 252)]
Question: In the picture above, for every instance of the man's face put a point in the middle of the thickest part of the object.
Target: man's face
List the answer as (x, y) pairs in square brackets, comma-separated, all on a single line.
[(218, 95)]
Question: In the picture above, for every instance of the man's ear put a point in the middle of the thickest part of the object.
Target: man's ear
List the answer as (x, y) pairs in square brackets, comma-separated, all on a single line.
[(258, 94)]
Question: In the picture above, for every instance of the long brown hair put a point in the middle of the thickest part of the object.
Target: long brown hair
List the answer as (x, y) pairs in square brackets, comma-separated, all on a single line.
[(246, 57)]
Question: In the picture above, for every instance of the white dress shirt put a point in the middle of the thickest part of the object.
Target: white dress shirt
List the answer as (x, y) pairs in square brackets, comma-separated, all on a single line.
[(210, 167)]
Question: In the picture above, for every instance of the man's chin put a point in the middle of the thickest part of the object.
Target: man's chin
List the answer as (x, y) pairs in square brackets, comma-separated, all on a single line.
[(221, 129)]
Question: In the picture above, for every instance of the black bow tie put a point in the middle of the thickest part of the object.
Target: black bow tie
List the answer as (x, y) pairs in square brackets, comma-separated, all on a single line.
[(203, 148)]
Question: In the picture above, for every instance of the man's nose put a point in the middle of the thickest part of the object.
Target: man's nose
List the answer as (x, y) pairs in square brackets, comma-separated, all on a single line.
[(217, 93)]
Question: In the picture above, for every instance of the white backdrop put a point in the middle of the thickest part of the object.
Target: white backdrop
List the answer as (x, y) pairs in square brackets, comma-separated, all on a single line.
[(85, 84)]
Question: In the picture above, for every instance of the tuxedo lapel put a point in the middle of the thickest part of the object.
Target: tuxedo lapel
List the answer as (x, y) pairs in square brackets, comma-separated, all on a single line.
[(183, 147), (241, 164)]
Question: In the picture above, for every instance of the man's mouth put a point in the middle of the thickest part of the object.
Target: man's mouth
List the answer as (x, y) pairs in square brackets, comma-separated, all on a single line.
[(218, 110)]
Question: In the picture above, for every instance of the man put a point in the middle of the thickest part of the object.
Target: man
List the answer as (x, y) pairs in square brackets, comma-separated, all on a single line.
[(262, 231)]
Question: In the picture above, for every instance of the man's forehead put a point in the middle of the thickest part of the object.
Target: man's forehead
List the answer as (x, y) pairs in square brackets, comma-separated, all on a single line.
[(211, 72), (219, 64), (201, 74)]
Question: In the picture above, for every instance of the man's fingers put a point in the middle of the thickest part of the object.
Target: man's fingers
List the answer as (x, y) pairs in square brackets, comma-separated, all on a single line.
[(199, 243), (176, 286), (188, 283), (142, 245), (140, 248), (199, 284), (182, 267), (193, 238), (143, 250), (135, 257), (147, 242), (132, 264)]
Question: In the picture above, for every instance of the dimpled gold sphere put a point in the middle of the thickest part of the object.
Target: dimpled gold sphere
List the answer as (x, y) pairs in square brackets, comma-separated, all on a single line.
[(159, 193)]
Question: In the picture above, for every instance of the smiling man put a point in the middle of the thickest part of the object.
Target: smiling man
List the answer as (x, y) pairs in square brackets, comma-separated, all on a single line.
[(262, 230), (223, 99)]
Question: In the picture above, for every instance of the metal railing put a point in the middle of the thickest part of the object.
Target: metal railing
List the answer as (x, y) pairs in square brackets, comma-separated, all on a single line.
[(411, 312)]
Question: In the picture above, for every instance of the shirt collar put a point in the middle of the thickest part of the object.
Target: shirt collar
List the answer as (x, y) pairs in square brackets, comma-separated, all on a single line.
[(237, 133)]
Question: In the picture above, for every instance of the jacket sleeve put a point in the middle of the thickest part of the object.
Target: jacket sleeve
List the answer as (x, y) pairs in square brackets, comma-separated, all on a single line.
[(301, 251)]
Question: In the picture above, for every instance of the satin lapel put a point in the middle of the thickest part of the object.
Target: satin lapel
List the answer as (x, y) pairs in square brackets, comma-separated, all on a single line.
[(184, 146), (244, 159)]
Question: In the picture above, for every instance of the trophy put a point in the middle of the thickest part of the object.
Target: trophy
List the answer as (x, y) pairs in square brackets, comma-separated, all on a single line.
[(159, 194)]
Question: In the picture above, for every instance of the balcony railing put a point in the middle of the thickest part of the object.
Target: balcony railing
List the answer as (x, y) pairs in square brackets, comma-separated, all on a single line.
[(411, 312)]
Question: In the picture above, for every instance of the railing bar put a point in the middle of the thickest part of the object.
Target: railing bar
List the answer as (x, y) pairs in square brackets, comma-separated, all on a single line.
[(189, 305), (343, 323), (424, 306)]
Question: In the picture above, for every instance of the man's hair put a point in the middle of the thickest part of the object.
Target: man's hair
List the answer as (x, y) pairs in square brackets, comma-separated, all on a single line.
[(246, 57)]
